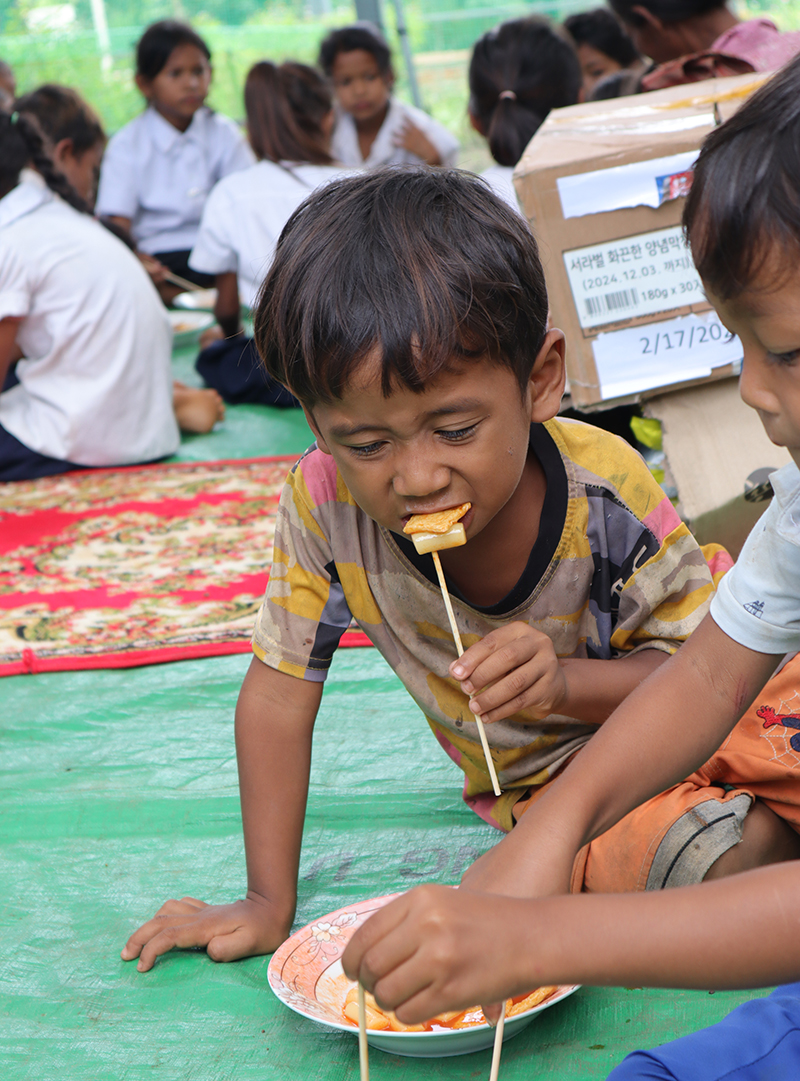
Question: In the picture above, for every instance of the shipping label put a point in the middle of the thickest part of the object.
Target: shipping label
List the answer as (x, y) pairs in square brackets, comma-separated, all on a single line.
[(638, 275), (662, 354)]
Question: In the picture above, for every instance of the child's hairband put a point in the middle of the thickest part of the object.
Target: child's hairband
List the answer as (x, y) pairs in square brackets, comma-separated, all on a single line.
[(507, 94)]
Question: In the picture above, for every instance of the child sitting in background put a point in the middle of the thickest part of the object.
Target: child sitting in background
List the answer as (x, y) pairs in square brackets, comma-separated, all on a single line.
[(289, 122), (158, 170), (85, 343), (519, 71), (372, 127), (442, 949), (407, 311), (603, 48), (8, 87), (93, 383), (74, 140)]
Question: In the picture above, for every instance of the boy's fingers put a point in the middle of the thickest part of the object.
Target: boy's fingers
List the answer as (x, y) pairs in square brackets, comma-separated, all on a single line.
[(497, 654), (183, 936), (230, 947), (492, 1012), (376, 928), (171, 916), (527, 687), (509, 658), (182, 907)]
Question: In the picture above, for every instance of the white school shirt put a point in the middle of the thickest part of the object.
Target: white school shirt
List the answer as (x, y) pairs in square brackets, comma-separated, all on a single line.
[(344, 142), (757, 603), (498, 177), (160, 177), (95, 387), (244, 216)]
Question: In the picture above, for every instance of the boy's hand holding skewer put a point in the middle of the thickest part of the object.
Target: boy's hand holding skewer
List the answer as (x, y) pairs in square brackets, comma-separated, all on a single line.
[(513, 668), (436, 949)]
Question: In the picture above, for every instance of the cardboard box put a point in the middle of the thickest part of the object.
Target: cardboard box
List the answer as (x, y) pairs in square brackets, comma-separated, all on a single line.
[(603, 185), (713, 443)]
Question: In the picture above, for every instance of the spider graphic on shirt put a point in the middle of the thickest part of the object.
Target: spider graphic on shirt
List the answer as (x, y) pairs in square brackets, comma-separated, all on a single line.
[(787, 716)]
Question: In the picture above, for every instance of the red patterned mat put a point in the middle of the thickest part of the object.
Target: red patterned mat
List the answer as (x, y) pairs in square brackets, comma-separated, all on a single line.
[(112, 568)]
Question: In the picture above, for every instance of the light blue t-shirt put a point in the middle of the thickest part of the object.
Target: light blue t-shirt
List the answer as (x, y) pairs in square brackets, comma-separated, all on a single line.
[(757, 603)]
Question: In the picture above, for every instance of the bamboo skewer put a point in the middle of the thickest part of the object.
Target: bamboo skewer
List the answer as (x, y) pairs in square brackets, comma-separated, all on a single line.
[(498, 1044), (457, 638), (184, 283), (363, 1059)]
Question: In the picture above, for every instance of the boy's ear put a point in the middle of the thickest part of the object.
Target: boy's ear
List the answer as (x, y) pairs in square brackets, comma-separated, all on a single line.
[(143, 85), (323, 446), (548, 377)]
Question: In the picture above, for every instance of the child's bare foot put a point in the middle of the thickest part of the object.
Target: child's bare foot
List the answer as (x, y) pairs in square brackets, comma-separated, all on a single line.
[(196, 410)]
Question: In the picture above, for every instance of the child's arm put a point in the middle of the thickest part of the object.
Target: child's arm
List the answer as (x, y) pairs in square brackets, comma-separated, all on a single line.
[(516, 668), (275, 718), (9, 351), (660, 734), (438, 949), (227, 308)]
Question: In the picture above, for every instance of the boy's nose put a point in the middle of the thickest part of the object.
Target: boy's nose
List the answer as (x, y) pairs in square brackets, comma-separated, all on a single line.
[(417, 476), (753, 385)]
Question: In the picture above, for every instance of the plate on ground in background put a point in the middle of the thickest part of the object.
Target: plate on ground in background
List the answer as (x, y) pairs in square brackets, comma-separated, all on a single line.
[(305, 972), (188, 326), (196, 300)]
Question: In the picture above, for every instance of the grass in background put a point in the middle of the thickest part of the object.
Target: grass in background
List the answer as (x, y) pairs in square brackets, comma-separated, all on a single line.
[(440, 39)]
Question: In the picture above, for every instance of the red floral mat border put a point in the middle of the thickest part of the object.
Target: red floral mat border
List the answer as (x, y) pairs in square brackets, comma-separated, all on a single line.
[(53, 548)]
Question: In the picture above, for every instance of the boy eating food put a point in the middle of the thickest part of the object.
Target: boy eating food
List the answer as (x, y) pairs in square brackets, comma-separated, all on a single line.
[(407, 311)]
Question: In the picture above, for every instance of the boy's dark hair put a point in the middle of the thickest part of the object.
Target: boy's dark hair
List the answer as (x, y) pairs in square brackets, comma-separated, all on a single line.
[(285, 107), (417, 267), (603, 32), (519, 71), (60, 113), (21, 144), (745, 197), (159, 41), (668, 11), (360, 35)]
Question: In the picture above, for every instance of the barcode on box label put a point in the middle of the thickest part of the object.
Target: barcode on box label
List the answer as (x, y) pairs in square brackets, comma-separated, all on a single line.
[(612, 302), (637, 275)]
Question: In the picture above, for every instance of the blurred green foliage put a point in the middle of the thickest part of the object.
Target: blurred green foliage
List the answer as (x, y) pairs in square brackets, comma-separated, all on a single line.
[(240, 32)]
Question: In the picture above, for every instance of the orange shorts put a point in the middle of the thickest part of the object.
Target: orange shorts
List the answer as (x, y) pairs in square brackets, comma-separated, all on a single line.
[(674, 838)]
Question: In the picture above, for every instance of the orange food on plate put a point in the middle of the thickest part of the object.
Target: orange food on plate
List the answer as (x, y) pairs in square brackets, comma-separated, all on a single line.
[(438, 522), (385, 1021)]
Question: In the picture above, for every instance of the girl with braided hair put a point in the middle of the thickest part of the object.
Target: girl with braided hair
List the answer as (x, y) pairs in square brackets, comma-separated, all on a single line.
[(82, 322)]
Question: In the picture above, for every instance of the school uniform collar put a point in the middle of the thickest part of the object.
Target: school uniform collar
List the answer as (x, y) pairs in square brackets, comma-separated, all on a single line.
[(29, 194), (166, 135), (383, 147)]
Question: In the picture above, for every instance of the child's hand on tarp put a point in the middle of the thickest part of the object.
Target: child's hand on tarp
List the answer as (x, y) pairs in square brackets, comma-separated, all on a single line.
[(227, 932), (436, 949), (514, 668)]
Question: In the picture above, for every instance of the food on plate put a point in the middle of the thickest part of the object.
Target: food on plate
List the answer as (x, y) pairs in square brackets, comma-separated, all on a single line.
[(442, 529), (385, 1021)]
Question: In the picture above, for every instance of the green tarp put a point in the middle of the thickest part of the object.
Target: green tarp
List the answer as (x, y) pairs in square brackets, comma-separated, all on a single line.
[(119, 791)]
